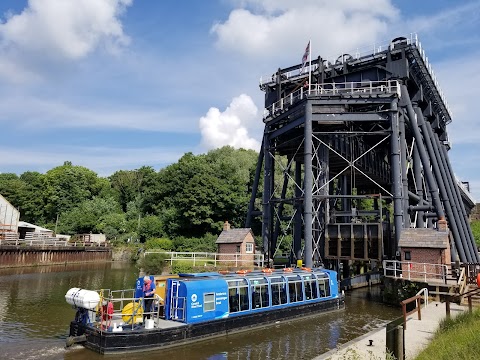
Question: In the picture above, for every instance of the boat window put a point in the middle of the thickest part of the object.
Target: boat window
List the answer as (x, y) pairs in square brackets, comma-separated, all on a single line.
[(323, 285), (208, 302), (295, 288), (310, 287), (279, 291), (259, 293), (238, 295)]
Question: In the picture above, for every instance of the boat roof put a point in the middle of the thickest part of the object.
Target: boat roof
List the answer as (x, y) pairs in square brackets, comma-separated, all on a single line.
[(249, 274)]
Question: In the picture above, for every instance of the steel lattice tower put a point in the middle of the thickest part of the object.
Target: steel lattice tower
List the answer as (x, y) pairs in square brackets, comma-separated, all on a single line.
[(362, 152)]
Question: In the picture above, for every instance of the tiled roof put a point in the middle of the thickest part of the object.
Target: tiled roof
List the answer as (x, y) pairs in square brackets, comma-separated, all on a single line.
[(233, 236), (423, 238)]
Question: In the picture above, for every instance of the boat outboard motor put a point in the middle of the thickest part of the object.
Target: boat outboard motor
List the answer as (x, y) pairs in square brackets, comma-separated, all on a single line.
[(85, 301)]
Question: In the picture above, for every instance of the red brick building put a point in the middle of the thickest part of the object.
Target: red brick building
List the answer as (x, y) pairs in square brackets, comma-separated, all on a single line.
[(236, 244), (425, 246)]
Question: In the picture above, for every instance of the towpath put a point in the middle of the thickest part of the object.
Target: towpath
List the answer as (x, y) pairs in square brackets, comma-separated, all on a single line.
[(417, 336)]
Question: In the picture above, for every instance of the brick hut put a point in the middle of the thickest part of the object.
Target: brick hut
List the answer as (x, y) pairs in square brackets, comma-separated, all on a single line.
[(426, 246), (236, 245)]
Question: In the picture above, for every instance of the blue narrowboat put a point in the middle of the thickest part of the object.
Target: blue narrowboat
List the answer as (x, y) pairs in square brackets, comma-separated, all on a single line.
[(195, 306)]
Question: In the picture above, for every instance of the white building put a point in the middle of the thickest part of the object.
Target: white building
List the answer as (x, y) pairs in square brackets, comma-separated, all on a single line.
[(9, 216), (26, 227)]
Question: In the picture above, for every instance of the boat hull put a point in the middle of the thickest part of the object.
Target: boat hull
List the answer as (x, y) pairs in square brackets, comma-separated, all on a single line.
[(105, 342)]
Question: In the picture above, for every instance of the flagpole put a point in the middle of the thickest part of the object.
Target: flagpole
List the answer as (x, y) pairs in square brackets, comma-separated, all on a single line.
[(309, 66)]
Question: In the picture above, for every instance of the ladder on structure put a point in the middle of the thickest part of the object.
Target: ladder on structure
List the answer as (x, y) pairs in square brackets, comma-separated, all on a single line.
[(174, 301)]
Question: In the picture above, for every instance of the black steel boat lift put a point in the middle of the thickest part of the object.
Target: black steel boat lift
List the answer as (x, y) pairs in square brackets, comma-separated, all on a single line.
[(362, 152)]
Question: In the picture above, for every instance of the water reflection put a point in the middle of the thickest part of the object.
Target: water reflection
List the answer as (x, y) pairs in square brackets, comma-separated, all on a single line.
[(34, 320)]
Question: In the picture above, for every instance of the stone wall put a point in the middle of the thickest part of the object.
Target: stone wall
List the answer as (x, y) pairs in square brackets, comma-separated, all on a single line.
[(122, 254)]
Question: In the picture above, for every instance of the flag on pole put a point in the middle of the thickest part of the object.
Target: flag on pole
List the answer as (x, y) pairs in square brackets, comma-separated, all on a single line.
[(305, 57)]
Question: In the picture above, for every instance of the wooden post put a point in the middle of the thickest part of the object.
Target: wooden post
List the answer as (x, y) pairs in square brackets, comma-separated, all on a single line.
[(447, 306), (419, 306), (470, 303), (399, 343)]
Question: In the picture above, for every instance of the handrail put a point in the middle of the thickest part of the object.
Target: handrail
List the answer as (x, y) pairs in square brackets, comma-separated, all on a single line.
[(404, 303), (48, 241), (118, 298), (202, 257), (330, 89), (415, 270), (424, 291), (378, 47), (411, 40)]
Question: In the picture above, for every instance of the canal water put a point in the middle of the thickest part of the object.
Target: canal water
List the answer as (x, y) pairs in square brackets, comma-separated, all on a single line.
[(34, 320)]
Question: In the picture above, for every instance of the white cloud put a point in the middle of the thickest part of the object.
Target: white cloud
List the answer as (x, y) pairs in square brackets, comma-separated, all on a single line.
[(230, 127), (275, 28), (269, 31), (53, 31)]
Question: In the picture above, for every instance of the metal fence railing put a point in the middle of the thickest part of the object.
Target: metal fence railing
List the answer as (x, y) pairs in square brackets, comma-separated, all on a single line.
[(415, 271), (330, 89), (45, 242), (215, 259)]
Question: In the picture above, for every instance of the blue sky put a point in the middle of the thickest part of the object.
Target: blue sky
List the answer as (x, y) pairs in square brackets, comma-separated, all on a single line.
[(117, 84)]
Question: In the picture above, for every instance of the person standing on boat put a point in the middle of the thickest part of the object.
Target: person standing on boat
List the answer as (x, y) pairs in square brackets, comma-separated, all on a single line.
[(148, 292)]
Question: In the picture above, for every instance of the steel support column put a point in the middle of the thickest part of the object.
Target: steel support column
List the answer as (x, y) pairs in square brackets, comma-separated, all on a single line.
[(432, 185), (458, 197), (404, 164), (251, 204), (443, 186), (298, 225), (417, 174), (396, 174), (308, 181), (267, 206)]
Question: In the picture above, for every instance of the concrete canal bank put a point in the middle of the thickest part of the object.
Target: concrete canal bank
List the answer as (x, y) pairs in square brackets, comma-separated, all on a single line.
[(418, 335)]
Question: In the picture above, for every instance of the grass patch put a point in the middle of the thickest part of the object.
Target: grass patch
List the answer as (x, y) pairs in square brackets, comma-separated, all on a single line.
[(456, 338)]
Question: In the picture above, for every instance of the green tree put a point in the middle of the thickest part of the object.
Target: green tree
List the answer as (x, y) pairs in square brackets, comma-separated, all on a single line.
[(113, 225), (25, 193), (67, 186), (32, 207), (198, 193), (129, 185), (89, 216), (150, 227), (12, 188)]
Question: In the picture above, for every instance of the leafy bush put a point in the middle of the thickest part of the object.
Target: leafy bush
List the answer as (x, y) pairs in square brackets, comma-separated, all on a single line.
[(159, 243), (203, 244), (182, 267), (152, 263)]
